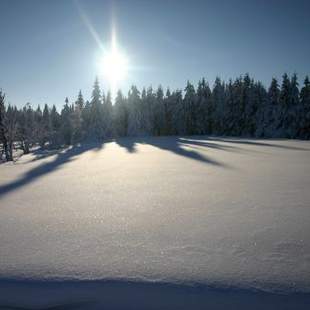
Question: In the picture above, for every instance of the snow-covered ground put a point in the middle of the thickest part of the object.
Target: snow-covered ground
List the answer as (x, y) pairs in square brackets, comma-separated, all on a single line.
[(168, 222)]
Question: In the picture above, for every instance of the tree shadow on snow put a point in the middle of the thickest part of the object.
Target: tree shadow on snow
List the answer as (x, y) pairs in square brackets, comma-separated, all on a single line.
[(256, 142), (128, 143), (175, 145), (182, 146), (203, 142), (43, 153), (63, 157)]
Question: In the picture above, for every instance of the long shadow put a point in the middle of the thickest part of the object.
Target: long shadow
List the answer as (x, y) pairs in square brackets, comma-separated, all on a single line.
[(256, 143), (205, 143), (176, 145), (63, 157), (172, 144), (42, 154), (128, 143)]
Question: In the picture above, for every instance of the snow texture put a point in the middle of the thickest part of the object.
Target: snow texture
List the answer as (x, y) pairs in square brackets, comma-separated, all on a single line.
[(195, 217)]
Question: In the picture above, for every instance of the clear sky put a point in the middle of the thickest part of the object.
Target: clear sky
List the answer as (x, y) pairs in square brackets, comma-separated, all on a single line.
[(50, 49)]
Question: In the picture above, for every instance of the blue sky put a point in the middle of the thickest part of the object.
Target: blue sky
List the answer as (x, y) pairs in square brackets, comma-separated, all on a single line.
[(47, 51)]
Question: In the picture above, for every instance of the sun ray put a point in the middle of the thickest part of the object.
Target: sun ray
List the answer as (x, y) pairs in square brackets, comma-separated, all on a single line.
[(114, 65)]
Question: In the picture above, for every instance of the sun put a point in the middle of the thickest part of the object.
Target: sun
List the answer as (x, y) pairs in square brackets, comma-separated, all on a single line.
[(114, 66)]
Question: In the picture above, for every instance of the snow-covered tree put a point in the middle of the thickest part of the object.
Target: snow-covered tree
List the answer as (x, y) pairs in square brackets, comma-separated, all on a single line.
[(189, 104), (218, 100), (55, 123), (3, 129), (304, 128), (271, 112), (120, 115), (77, 130), (96, 130), (204, 108), (107, 110), (134, 112), (11, 126), (66, 123), (26, 126)]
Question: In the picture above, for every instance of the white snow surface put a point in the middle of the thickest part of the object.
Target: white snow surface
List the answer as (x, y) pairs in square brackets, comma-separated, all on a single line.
[(220, 212)]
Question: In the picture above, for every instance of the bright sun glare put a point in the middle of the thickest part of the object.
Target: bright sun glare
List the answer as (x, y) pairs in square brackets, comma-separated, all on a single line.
[(114, 66)]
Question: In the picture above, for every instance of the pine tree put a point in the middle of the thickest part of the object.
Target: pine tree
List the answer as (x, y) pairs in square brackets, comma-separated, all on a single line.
[(46, 131), (284, 104), (86, 120), (66, 123), (189, 104), (134, 110), (120, 115), (144, 113), (293, 117), (38, 124), (149, 111), (10, 124), (249, 104), (77, 119), (178, 113), (55, 123), (272, 110), (26, 128), (96, 114), (218, 100), (3, 129), (167, 114), (204, 108), (230, 121), (80, 101), (304, 128), (107, 116), (158, 112)]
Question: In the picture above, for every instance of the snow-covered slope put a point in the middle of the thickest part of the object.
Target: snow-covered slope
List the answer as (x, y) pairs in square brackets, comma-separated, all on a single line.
[(225, 215)]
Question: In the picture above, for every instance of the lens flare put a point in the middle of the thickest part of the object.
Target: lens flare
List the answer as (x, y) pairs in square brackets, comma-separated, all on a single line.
[(114, 66)]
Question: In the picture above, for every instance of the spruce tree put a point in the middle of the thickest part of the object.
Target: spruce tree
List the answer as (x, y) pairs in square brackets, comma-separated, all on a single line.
[(294, 116), (66, 124), (80, 101), (304, 128), (134, 112), (26, 127), (158, 112), (203, 108), (178, 113), (120, 115), (96, 114), (285, 99), (167, 114), (149, 115), (107, 111), (3, 129), (46, 131), (189, 104), (11, 126), (55, 123), (77, 118), (218, 100), (249, 104)]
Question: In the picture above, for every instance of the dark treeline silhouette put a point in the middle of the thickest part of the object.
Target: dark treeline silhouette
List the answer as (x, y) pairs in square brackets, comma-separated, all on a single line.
[(241, 107)]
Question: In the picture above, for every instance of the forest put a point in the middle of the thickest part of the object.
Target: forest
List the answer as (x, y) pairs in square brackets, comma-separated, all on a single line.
[(242, 107)]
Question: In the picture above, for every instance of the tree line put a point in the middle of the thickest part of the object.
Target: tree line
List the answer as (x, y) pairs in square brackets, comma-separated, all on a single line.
[(240, 107)]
